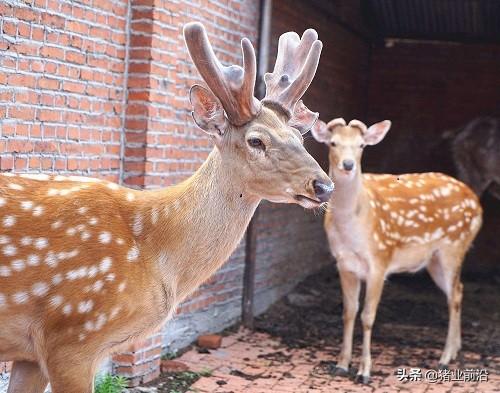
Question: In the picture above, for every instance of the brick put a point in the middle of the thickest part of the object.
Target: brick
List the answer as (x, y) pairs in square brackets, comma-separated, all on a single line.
[(209, 341), (173, 366)]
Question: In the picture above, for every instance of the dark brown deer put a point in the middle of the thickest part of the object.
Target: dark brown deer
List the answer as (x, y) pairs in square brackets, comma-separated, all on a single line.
[(87, 266), (476, 155)]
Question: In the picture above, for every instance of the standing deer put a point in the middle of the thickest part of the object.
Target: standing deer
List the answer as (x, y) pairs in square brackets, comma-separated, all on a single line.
[(382, 224), (86, 266), (476, 154)]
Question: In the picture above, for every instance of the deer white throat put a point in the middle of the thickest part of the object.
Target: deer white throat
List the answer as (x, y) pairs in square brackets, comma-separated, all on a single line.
[(348, 193)]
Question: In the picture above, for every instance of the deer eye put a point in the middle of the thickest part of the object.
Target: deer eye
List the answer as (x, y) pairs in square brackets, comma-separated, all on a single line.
[(333, 144), (362, 146), (256, 143)]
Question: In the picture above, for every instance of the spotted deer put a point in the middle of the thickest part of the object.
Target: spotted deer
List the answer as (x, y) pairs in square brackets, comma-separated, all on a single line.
[(87, 266), (379, 224)]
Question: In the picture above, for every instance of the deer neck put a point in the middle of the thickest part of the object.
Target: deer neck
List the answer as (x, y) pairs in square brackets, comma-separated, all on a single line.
[(199, 224), (348, 196)]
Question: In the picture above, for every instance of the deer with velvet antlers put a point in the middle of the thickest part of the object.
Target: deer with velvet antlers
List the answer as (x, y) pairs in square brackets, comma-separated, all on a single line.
[(383, 224), (86, 266)]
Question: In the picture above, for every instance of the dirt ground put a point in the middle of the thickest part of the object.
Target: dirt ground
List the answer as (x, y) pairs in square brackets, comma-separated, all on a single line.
[(297, 340)]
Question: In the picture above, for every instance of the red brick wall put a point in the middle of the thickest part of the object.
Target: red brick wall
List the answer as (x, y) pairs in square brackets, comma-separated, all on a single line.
[(426, 89), (62, 86)]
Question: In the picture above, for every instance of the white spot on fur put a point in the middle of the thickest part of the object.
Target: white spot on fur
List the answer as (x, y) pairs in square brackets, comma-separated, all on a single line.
[(88, 325), (113, 186), (56, 301), (55, 225), (9, 250), (41, 243), (133, 254), (93, 221), (33, 260), (9, 221), (57, 279), (4, 239), (122, 286), (114, 312), (38, 211), (92, 272), (3, 300), (137, 225), (20, 297), (35, 176), (85, 306), (97, 286), (130, 196), (26, 240), (2, 201), (82, 210), (15, 186), (154, 215), (5, 271), (39, 289), (26, 205), (66, 310), (18, 265), (70, 231), (51, 260), (105, 264), (76, 274), (120, 241), (85, 236), (105, 237), (101, 321)]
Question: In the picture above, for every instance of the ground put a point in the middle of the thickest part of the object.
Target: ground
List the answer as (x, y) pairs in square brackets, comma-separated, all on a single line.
[(296, 341)]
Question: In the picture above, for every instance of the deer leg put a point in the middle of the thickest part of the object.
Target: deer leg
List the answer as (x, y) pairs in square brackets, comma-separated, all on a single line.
[(350, 292), (374, 286), (75, 375), (27, 377), (445, 271)]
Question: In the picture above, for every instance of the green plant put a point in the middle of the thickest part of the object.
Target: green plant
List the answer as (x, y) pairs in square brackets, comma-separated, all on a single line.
[(108, 383), (181, 382), (170, 355)]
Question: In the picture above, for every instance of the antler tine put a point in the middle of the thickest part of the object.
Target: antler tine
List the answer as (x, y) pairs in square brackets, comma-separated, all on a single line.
[(295, 67), (233, 85)]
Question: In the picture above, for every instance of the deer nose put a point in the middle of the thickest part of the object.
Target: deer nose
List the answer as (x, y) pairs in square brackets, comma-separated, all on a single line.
[(323, 190), (348, 164)]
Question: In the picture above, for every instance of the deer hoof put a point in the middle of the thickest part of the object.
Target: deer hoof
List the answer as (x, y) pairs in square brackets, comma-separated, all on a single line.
[(442, 366), (339, 371), (363, 379)]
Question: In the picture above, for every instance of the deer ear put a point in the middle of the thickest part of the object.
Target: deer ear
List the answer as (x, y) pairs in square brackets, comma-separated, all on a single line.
[(376, 132), (321, 132), (208, 112), (302, 118)]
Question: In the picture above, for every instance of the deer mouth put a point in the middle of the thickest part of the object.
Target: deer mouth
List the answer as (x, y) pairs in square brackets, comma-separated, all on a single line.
[(308, 203)]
